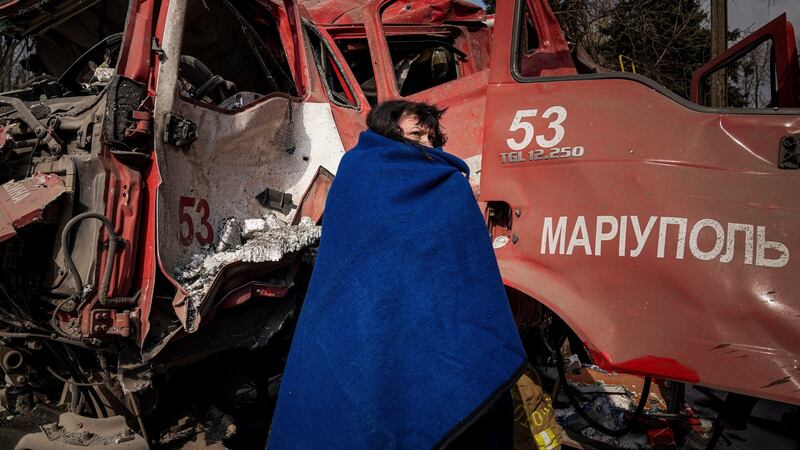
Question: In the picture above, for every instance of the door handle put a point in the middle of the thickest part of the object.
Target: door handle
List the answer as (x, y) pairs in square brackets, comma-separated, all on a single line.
[(789, 152)]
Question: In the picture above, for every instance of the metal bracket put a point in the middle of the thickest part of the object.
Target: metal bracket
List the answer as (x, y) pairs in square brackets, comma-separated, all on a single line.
[(155, 48), (45, 133), (109, 321), (277, 200), (789, 153), (125, 99), (179, 131), (140, 125)]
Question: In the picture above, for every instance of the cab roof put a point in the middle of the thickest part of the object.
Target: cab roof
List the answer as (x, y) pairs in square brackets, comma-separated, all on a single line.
[(25, 17), (344, 12)]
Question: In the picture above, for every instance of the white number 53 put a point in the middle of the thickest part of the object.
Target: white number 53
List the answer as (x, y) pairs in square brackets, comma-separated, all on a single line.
[(527, 128)]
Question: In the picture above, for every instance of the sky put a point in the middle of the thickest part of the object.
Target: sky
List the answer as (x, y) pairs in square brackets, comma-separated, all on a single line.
[(755, 13)]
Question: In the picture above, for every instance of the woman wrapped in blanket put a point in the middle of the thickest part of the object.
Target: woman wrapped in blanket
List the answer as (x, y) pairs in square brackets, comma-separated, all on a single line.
[(416, 123), (405, 338)]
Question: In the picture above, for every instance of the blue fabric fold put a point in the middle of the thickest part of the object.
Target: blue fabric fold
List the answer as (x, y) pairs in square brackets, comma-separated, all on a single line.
[(405, 335)]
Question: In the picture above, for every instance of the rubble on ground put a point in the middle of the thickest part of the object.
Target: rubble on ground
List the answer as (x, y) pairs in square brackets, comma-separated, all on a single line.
[(610, 398)]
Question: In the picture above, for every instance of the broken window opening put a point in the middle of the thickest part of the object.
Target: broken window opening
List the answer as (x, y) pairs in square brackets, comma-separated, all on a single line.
[(356, 53), (231, 55), (750, 81), (529, 38), (64, 50), (423, 61), (332, 75)]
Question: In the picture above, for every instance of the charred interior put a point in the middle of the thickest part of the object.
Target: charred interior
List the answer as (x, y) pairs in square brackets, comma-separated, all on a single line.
[(422, 61), (73, 47), (88, 334), (356, 53), (53, 160), (75, 143), (231, 56)]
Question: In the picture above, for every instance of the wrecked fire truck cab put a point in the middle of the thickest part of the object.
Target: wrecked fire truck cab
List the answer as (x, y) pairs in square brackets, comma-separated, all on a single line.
[(162, 181)]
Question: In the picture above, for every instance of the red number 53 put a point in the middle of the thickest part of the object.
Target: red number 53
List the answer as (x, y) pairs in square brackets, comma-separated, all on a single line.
[(186, 219)]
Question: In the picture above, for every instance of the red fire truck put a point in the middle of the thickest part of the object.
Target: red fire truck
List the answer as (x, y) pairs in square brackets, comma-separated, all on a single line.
[(163, 176)]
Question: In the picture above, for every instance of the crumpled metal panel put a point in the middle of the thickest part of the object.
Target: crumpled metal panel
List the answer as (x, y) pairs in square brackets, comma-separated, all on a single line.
[(277, 143), (427, 12), (74, 432), (401, 11), (23, 202)]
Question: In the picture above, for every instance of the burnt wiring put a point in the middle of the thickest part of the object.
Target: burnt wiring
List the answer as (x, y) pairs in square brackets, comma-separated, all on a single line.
[(4, 317), (138, 414), (70, 361), (8, 317), (24, 313), (79, 387), (53, 337), (31, 156), (573, 399), (92, 390), (54, 320), (64, 380)]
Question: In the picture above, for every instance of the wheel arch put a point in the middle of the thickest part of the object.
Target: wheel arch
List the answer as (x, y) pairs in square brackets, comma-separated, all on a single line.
[(554, 292)]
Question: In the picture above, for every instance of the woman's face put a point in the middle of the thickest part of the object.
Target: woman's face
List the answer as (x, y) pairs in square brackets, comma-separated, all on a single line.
[(412, 131)]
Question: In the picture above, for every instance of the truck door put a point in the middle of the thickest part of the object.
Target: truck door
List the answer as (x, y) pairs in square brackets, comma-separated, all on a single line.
[(760, 71), (662, 232), (234, 137)]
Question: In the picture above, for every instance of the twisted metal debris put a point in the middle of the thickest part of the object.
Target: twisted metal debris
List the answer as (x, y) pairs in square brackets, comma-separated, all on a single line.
[(267, 239)]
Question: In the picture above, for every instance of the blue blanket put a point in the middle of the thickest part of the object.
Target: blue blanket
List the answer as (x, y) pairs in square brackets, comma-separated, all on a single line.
[(405, 335)]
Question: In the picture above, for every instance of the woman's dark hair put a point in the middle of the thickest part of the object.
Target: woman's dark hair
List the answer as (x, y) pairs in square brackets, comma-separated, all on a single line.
[(384, 118)]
